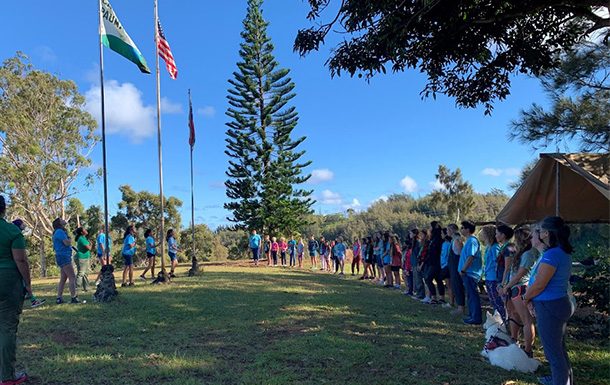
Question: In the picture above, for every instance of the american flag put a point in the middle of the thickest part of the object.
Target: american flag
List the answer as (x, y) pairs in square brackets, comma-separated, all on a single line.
[(165, 52)]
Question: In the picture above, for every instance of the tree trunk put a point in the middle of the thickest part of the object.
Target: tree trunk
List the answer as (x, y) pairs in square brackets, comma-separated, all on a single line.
[(43, 257)]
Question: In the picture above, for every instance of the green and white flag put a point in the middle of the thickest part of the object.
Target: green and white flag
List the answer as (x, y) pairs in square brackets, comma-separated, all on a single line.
[(116, 38)]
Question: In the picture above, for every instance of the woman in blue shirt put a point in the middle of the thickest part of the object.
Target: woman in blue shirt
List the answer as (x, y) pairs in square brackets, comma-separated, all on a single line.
[(488, 237), (129, 250), (62, 245), (151, 252), (548, 290), (172, 250)]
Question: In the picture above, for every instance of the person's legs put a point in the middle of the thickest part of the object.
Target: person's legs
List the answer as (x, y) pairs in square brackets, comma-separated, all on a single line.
[(439, 283), (69, 271), (494, 298), (409, 282), (389, 277), (529, 331), (62, 282), (84, 265), (396, 277), (342, 265), (274, 257), (552, 317), (130, 274), (11, 304), (125, 268), (474, 301), (428, 277), (457, 286)]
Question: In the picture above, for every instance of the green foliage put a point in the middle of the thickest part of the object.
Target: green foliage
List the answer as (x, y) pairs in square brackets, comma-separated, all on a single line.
[(456, 194), (467, 49), (46, 137), (593, 287), (487, 206), (234, 241), (208, 246), (265, 166), (579, 91)]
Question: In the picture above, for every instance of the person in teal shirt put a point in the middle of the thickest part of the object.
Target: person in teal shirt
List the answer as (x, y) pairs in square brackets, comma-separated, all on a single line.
[(14, 284), (339, 251), (151, 252), (470, 267), (129, 250), (62, 245), (255, 244)]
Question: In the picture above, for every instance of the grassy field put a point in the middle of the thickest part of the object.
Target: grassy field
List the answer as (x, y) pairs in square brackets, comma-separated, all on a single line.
[(241, 325)]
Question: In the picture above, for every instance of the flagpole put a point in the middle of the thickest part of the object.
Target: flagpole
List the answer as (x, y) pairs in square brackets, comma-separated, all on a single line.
[(104, 168), (194, 260), (159, 145)]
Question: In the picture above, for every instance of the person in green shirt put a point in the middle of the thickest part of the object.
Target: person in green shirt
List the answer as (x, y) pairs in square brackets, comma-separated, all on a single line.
[(15, 283), (82, 258)]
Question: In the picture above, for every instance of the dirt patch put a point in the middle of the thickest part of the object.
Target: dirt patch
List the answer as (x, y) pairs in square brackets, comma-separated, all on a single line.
[(65, 339)]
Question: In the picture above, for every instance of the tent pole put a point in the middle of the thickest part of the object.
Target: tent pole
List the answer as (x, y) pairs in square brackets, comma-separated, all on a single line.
[(557, 207)]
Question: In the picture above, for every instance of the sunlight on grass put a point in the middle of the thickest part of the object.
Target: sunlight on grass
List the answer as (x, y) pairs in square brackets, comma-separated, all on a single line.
[(239, 325)]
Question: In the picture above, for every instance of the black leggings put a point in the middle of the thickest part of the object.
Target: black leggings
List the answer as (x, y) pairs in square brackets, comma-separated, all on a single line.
[(457, 286), (433, 273), (274, 256)]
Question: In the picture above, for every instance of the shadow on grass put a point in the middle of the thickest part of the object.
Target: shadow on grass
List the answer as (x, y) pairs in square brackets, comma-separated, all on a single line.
[(254, 327)]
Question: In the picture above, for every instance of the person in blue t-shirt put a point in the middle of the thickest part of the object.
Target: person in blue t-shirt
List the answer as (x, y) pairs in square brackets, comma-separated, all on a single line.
[(548, 291), (151, 253), (470, 267), (488, 237), (62, 245), (172, 251), (100, 247), (292, 252), (129, 250), (255, 244), (339, 251)]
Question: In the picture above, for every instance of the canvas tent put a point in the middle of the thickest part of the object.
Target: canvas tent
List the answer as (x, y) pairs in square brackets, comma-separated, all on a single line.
[(573, 186)]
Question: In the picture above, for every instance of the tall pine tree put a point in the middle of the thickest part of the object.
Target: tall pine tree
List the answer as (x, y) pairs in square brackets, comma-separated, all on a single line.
[(265, 168)]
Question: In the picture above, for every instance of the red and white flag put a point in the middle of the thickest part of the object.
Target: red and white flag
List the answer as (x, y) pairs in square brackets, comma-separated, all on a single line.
[(191, 123), (165, 52)]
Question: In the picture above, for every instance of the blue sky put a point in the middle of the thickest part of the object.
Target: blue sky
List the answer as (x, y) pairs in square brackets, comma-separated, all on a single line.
[(366, 140)]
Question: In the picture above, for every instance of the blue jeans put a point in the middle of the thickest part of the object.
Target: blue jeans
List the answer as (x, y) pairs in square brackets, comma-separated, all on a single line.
[(293, 260), (552, 318), (474, 301), (254, 253)]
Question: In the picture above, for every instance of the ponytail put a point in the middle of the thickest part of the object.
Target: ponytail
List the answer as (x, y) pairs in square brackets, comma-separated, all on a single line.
[(559, 233)]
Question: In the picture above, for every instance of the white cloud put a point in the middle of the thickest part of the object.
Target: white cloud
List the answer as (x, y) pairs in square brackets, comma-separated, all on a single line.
[(354, 205), (126, 113), (380, 198), (408, 184), (207, 111), (491, 171), (46, 54), (321, 175), (331, 198), (495, 172), (436, 185), (169, 107)]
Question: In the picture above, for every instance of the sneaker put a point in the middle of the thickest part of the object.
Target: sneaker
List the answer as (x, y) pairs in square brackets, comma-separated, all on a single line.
[(20, 378), (38, 302), (143, 277), (447, 305), (530, 354), (131, 284), (457, 311), (470, 321), (74, 300), (172, 275), (426, 300), (397, 286), (434, 302), (59, 300), (545, 380)]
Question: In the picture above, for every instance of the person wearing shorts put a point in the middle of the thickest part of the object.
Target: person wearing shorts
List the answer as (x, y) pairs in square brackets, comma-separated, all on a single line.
[(386, 259), (151, 253), (100, 243), (62, 245), (312, 248), (129, 250), (172, 251)]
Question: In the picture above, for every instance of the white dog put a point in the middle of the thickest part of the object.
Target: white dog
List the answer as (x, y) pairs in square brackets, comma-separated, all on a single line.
[(509, 357)]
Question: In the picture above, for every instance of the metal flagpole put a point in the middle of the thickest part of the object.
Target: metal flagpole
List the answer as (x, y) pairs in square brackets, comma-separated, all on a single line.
[(105, 175), (194, 261), (159, 145)]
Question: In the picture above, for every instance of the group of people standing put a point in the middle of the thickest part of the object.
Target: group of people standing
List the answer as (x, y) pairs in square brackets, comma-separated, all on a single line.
[(525, 272), (64, 246)]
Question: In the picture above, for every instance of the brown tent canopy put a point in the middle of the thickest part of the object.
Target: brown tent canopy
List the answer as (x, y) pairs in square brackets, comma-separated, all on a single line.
[(573, 186)]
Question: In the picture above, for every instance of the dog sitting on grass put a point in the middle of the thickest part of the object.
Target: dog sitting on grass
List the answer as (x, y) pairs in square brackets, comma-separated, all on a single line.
[(501, 349)]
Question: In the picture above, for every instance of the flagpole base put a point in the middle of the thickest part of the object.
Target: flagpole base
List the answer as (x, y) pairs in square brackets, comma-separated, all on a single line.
[(195, 269), (106, 289), (163, 277)]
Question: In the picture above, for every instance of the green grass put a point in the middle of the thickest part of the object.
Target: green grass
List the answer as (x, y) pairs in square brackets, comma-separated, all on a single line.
[(240, 325)]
